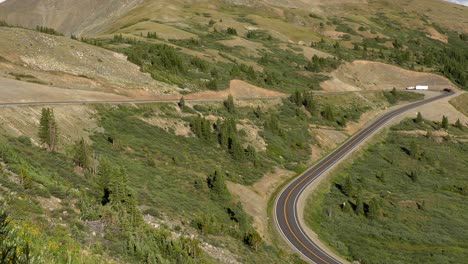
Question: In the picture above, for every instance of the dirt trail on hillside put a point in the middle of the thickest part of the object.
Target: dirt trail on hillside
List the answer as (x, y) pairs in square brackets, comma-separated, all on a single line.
[(369, 75)]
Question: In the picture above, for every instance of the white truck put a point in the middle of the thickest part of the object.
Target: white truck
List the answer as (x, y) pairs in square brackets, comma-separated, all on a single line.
[(418, 87)]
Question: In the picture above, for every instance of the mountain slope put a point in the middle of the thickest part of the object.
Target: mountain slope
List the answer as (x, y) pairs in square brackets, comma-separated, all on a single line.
[(66, 16)]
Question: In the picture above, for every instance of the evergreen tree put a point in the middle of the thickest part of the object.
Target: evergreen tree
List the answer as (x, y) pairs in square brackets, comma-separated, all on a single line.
[(229, 104), (309, 102), (348, 187), (53, 131), (374, 208), (394, 92), (104, 173), (419, 119), (272, 124), (236, 149), (296, 98), (44, 127), (252, 155), (216, 183), (253, 239), (181, 103), (359, 205), (445, 122), (459, 124), (329, 114), (231, 31), (48, 132), (82, 154), (212, 85)]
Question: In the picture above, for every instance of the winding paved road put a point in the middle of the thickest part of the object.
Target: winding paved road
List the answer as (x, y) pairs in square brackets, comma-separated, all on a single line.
[(285, 207)]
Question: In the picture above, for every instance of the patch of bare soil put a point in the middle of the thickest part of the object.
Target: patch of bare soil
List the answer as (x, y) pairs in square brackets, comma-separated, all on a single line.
[(252, 136), (434, 34), (255, 198), (328, 139), (51, 204), (437, 133), (368, 75), (238, 89)]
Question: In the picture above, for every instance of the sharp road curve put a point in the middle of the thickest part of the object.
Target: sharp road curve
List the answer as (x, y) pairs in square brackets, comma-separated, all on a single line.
[(285, 207)]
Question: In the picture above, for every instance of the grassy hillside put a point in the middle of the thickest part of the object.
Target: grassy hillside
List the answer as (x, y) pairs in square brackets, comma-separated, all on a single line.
[(402, 201), (149, 184)]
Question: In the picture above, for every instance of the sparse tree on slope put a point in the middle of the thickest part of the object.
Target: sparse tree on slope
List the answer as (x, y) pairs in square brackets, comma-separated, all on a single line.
[(229, 104), (82, 154), (459, 124), (48, 131), (419, 118), (445, 122)]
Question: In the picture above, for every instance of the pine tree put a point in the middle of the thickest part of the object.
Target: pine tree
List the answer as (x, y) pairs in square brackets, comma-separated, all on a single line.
[(329, 114), (459, 124), (348, 187), (104, 173), (44, 127), (236, 149), (82, 154), (229, 104), (253, 239), (182, 103), (252, 155), (445, 122), (309, 102), (394, 92), (374, 208), (419, 119), (48, 132), (296, 98), (53, 131), (216, 183), (359, 205)]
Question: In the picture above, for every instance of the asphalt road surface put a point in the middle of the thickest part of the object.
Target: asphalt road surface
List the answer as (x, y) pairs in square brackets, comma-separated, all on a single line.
[(285, 208)]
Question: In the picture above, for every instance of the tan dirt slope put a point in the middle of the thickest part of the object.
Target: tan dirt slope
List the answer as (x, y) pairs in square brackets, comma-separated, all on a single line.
[(67, 63), (66, 16), (368, 75)]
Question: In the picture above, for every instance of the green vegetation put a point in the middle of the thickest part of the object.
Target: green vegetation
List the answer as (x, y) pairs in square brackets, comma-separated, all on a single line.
[(391, 205), (48, 130), (48, 30), (131, 174)]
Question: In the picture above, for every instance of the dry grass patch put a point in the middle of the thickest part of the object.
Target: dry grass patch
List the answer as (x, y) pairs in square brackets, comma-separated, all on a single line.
[(368, 75), (461, 103)]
